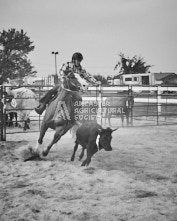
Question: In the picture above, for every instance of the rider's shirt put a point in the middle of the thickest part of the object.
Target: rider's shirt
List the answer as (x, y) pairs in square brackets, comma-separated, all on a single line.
[(71, 67)]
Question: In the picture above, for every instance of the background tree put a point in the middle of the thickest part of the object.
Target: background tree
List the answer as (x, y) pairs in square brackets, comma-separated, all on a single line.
[(14, 49), (131, 65), (99, 77)]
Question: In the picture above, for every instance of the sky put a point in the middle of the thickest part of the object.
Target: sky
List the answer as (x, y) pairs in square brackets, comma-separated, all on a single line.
[(99, 29)]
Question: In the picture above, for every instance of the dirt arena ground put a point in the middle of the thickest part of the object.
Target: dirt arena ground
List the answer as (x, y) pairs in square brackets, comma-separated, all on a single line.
[(137, 181)]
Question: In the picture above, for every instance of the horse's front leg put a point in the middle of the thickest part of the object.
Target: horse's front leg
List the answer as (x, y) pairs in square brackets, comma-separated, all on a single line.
[(60, 131), (43, 130)]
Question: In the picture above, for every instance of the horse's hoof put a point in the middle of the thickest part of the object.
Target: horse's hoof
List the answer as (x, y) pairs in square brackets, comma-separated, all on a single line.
[(33, 151)]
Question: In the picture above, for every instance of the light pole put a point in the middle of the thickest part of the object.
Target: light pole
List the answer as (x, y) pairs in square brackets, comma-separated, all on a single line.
[(55, 53)]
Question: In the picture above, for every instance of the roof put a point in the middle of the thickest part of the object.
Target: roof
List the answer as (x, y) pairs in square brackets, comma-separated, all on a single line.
[(117, 77), (171, 76), (160, 76)]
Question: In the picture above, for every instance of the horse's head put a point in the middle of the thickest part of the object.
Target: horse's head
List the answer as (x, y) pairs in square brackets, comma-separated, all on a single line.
[(75, 82)]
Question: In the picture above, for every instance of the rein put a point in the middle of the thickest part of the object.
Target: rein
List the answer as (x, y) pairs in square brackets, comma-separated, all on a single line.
[(65, 88)]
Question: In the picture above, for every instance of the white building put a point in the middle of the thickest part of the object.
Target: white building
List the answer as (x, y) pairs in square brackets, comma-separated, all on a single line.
[(143, 78), (50, 80)]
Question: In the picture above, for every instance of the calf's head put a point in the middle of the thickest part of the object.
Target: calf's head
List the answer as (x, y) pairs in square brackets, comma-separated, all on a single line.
[(105, 138)]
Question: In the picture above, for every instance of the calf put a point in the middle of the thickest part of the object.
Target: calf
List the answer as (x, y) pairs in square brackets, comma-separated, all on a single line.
[(87, 135)]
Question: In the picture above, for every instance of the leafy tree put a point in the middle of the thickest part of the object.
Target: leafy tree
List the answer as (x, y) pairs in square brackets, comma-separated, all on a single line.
[(14, 49), (132, 65), (99, 77)]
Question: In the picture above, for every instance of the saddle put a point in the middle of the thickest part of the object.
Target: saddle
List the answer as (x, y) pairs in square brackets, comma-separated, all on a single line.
[(75, 95), (60, 112)]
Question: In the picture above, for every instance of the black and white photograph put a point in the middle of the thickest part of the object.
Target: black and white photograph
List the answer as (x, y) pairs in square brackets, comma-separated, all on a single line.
[(88, 110)]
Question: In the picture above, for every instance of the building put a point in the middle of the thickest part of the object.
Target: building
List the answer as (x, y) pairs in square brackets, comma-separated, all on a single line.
[(113, 80), (110, 80), (144, 78), (170, 79), (50, 80)]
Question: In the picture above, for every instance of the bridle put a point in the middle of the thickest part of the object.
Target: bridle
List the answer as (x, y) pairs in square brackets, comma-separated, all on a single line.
[(67, 82)]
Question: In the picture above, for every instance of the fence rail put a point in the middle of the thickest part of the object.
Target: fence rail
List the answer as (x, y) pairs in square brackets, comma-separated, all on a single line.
[(151, 103)]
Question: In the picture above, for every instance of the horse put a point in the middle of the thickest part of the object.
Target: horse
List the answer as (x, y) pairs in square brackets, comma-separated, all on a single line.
[(118, 106), (60, 113)]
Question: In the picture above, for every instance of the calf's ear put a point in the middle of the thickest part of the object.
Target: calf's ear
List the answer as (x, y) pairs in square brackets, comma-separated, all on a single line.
[(100, 130), (115, 129)]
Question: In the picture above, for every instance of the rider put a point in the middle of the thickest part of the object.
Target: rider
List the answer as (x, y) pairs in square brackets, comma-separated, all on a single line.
[(73, 66)]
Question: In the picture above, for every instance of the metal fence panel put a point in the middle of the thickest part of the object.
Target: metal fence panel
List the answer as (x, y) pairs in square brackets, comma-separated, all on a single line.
[(153, 105)]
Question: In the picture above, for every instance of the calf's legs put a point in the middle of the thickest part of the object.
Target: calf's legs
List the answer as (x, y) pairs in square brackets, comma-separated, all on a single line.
[(91, 150), (75, 149), (82, 154), (74, 152)]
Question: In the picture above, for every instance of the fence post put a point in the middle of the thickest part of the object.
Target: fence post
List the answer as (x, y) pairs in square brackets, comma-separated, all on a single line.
[(159, 109), (99, 115), (159, 92), (2, 128), (130, 105)]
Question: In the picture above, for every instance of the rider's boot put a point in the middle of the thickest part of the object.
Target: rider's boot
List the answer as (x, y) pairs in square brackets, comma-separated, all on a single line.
[(39, 109)]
